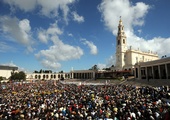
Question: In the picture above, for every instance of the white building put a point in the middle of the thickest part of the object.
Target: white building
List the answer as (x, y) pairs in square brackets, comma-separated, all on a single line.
[(73, 74), (157, 69), (47, 76), (5, 71), (127, 58)]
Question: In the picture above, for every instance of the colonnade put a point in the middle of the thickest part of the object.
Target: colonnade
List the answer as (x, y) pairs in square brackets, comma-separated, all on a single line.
[(47, 76), (155, 71), (82, 75)]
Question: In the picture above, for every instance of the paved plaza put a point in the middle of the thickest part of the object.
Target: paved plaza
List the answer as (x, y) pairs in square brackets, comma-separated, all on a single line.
[(132, 81)]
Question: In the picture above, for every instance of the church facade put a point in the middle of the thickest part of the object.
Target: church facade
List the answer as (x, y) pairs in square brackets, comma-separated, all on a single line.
[(126, 58)]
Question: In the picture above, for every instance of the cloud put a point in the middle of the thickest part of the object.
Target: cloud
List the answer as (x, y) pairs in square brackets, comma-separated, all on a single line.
[(49, 8), (26, 5), (109, 62), (77, 18), (155, 45), (44, 35), (139, 31), (50, 64), (132, 15), (93, 48), (19, 30), (101, 66), (10, 64), (52, 7), (70, 34), (4, 47), (59, 51)]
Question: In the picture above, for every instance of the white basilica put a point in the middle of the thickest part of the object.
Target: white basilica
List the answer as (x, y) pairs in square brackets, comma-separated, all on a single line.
[(127, 58)]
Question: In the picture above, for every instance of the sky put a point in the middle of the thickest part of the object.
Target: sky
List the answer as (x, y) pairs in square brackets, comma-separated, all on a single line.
[(61, 35)]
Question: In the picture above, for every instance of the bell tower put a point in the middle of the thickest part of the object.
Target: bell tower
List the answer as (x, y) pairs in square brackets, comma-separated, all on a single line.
[(121, 47)]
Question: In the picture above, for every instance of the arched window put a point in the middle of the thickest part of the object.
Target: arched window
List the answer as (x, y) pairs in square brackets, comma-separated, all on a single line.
[(43, 76), (47, 76), (136, 59), (62, 76), (118, 42), (123, 41), (35, 76), (118, 58)]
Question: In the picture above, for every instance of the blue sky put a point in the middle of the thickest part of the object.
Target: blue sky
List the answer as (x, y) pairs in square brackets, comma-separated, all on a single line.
[(65, 34)]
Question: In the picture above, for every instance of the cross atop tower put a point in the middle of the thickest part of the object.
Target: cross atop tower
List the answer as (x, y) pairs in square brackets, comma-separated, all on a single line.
[(120, 21)]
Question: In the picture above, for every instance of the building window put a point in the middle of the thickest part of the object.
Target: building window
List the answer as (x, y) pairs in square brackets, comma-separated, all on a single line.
[(136, 59), (143, 58), (47, 76), (123, 41), (118, 42), (35, 76)]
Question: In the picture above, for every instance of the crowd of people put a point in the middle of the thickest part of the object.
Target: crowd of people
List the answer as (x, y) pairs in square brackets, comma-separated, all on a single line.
[(51, 100)]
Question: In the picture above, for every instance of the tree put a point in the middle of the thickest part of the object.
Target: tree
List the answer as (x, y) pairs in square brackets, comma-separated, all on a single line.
[(22, 75), (112, 66), (18, 76), (36, 71), (94, 68), (41, 71), (1, 78), (61, 71)]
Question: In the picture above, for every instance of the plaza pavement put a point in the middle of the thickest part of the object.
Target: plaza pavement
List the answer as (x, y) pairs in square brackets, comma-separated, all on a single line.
[(151, 82), (131, 81)]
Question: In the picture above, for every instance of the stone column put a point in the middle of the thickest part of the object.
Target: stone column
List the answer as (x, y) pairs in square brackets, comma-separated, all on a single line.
[(159, 71), (153, 75), (146, 72), (166, 71), (139, 72)]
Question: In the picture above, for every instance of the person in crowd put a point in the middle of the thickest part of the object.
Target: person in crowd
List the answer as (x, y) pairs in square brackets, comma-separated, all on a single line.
[(48, 100)]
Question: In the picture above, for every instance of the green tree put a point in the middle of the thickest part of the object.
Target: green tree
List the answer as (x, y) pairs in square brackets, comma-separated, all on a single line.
[(41, 71), (61, 71), (94, 68), (36, 71), (18, 76), (1, 78)]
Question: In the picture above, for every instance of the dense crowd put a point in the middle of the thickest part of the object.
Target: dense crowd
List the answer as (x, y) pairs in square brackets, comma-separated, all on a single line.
[(50, 100)]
